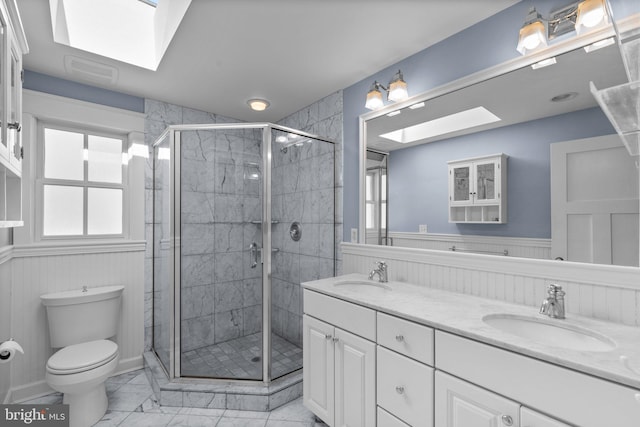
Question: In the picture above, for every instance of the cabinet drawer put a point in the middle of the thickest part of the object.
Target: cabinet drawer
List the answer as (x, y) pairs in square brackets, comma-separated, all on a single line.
[(408, 338), (405, 388), (385, 419), (570, 396), (350, 317)]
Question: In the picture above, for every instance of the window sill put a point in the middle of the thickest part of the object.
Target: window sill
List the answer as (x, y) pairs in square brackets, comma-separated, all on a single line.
[(78, 247)]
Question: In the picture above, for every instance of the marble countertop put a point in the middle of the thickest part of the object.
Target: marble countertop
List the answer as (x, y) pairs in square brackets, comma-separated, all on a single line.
[(463, 314)]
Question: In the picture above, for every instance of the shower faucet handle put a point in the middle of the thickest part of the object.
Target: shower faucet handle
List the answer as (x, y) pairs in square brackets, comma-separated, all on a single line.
[(253, 251)]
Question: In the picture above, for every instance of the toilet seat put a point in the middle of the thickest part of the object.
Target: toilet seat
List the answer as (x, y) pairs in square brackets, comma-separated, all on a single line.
[(82, 357)]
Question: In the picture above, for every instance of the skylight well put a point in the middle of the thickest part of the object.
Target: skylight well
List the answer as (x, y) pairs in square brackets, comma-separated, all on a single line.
[(125, 30), (443, 125)]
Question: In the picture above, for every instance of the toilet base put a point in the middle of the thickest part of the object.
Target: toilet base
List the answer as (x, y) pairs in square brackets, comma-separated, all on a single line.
[(88, 407)]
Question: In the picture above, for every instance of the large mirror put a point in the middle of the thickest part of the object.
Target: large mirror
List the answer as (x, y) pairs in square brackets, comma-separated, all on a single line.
[(560, 157)]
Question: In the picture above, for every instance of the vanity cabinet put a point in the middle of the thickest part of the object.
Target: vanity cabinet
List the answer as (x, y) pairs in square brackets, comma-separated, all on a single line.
[(405, 370), (12, 46), (462, 404), (531, 418), (477, 189), (339, 366)]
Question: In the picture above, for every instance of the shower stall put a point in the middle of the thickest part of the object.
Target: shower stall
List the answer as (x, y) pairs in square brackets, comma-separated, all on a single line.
[(242, 214)]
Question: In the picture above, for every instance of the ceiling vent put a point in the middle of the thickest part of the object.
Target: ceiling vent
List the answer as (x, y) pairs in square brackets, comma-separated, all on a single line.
[(90, 71)]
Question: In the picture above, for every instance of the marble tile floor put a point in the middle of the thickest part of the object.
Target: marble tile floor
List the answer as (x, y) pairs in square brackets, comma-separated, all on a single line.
[(240, 358), (132, 404)]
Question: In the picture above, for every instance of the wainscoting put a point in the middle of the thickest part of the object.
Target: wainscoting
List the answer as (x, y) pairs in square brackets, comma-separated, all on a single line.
[(600, 291), (39, 269), (521, 247)]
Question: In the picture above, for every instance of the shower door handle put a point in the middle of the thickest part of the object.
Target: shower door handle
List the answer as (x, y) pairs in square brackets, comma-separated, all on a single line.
[(253, 251)]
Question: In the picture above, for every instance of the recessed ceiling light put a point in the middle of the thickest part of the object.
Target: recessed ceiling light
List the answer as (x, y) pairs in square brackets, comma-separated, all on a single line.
[(417, 105), (443, 125), (394, 113), (258, 104), (599, 44)]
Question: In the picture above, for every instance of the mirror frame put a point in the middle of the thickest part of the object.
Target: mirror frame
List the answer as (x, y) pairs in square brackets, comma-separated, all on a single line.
[(556, 49)]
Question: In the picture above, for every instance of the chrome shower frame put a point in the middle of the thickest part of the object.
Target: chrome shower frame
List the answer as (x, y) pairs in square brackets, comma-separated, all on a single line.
[(174, 134)]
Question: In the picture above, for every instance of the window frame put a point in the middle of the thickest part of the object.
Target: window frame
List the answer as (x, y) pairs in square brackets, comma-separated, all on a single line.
[(41, 181)]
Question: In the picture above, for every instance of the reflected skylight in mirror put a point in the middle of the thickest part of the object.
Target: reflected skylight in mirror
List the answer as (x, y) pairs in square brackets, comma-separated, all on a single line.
[(443, 125)]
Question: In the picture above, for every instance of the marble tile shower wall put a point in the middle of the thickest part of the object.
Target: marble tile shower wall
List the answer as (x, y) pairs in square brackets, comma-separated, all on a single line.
[(159, 115), (321, 118), (307, 188), (220, 196)]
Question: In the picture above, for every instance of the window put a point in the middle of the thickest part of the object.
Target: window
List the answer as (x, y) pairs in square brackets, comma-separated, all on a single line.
[(81, 183), (376, 199)]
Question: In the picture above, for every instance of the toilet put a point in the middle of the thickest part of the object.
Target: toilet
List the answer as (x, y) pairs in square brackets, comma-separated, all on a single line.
[(80, 323)]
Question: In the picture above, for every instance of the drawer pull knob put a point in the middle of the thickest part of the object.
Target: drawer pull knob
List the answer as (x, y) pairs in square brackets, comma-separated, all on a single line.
[(335, 339), (507, 420), (328, 336), (400, 389), (399, 338)]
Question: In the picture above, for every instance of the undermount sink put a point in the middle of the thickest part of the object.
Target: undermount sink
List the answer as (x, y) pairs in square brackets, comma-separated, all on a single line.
[(362, 285), (551, 332)]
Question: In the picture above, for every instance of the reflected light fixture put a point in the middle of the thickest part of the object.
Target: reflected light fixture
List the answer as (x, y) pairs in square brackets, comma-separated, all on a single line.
[(579, 16), (590, 14), (533, 34), (397, 91), (258, 104)]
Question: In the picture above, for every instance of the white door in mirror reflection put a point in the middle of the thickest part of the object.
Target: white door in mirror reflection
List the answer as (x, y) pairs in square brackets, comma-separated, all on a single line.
[(594, 202)]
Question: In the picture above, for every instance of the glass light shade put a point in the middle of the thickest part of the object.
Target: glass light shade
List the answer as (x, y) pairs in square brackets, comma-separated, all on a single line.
[(374, 100), (398, 90), (532, 36), (258, 104), (591, 13)]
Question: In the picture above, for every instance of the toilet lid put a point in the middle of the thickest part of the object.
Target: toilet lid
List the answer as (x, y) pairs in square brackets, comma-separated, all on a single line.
[(82, 357)]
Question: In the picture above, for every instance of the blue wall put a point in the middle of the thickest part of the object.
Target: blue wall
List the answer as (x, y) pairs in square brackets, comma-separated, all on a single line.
[(486, 44), (56, 86), (418, 185)]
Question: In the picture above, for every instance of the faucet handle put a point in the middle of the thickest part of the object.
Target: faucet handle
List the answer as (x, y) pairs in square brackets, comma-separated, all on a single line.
[(554, 289), (381, 265)]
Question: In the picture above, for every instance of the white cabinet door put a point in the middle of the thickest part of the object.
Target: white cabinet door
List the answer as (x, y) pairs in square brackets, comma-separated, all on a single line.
[(462, 404), (318, 372), (355, 384), (405, 388), (531, 418)]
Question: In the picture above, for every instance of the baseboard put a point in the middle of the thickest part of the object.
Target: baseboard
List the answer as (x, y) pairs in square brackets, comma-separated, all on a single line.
[(28, 392), (131, 364), (41, 388)]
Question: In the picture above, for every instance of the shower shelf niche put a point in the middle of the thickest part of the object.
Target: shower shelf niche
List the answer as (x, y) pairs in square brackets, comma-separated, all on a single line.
[(621, 104)]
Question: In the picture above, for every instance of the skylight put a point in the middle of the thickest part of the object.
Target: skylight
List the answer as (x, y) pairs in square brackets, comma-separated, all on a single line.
[(124, 30), (443, 125)]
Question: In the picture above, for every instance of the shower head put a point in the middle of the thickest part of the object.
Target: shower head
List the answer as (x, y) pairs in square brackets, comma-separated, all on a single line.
[(300, 143)]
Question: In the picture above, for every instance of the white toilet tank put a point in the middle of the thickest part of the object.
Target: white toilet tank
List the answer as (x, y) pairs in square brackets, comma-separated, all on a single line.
[(83, 315)]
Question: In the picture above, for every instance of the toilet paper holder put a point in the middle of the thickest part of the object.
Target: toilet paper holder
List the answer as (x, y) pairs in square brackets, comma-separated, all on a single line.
[(8, 350)]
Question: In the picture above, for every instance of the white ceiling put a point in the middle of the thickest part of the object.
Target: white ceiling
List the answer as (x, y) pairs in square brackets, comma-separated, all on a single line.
[(291, 52)]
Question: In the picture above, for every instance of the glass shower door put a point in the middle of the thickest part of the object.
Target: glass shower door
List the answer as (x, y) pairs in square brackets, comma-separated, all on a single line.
[(302, 235), (220, 253)]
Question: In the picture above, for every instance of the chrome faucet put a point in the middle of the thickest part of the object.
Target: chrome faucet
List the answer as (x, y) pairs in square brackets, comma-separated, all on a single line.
[(553, 304), (381, 271)]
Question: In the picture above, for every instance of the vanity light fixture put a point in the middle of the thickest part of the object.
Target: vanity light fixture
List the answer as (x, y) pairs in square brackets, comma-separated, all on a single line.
[(258, 104), (533, 34), (397, 91), (579, 16)]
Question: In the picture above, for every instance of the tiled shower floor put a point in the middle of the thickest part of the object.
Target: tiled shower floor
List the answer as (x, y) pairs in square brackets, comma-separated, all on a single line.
[(241, 358)]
